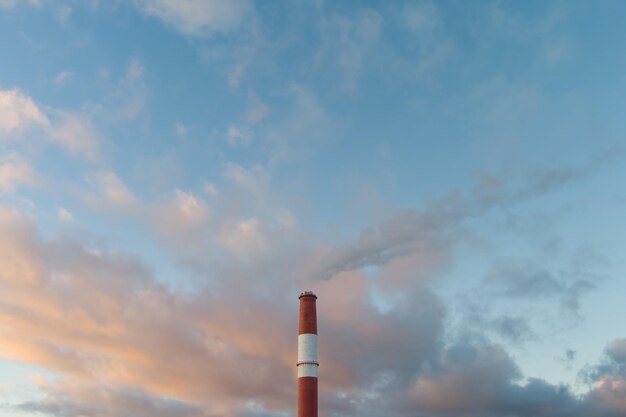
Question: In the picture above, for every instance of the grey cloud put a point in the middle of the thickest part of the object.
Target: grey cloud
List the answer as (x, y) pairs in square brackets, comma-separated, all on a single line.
[(571, 299), (569, 357), (435, 223), (522, 281), (607, 396), (525, 280), (617, 351), (513, 329), (612, 365), (405, 342), (581, 272), (89, 315), (482, 380), (105, 400)]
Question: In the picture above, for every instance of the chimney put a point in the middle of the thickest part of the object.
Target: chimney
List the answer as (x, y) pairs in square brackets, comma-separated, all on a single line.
[(307, 356)]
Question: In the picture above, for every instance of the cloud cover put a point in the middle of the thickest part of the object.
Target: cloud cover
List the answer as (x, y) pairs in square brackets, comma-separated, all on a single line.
[(197, 17), (117, 340), (108, 330)]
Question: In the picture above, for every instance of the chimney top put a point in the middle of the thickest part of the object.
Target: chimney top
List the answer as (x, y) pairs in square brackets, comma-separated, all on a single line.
[(307, 294)]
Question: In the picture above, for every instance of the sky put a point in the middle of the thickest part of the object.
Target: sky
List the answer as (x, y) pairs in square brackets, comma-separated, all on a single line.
[(448, 177)]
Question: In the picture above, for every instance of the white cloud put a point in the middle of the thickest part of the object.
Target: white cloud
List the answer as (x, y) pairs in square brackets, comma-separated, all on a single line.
[(254, 180), (182, 219), (180, 129), (14, 171), (243, 133), (210, 188), (128, 98), (110, 191), (190, 209), (135, 70), (257, 110), (63, 13), (244, 237), (76, 135), (434, 46), (71, 131), (126, 93), (356, 43), (64, 215), (238, 136), (305, 126), (9, 4), (63, 77), (236, 74), (18, 111), (557, 51), (197, 17), (420, 18), (350, 43)]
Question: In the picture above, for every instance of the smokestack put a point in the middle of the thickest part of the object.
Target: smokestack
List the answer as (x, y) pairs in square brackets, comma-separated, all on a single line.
[(307, 356)]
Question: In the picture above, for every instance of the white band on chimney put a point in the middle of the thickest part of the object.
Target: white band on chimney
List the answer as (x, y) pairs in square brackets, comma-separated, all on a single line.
[(307, 347), (307, 355), (307, 369)]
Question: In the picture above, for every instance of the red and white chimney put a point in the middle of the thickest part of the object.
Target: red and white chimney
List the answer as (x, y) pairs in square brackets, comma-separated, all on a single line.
[(307, 356)]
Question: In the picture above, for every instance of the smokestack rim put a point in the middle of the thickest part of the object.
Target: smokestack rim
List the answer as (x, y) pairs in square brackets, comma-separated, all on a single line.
[(307, 294)]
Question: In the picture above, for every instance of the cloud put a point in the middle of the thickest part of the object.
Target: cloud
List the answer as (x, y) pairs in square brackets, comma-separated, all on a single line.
[(616, 350), (18, 112), (135, 70), (108, 191), (63, 77), (513, 329), (92, 315), (182, 219), (74, 399), (117, 340), (126, 98), (64, 215), (524, 280), (305, 126), (238, 136), (188, 209), (421, 17), (241, 224), (410, 229), (243, 133), (15, 171), (254, 180), (197, 17), (452, 388), (521, 27), (63, 13), (245, 236), (210, 188), (613, 363), (407, 42), (257, 110), (71, 131), (430, 46), (351, 42), (9, 4), (180, 130), (608, 391), (76, 135), (236, 73)]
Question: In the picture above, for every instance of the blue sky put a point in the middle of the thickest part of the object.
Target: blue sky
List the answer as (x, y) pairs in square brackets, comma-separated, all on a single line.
[(447, 176)]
